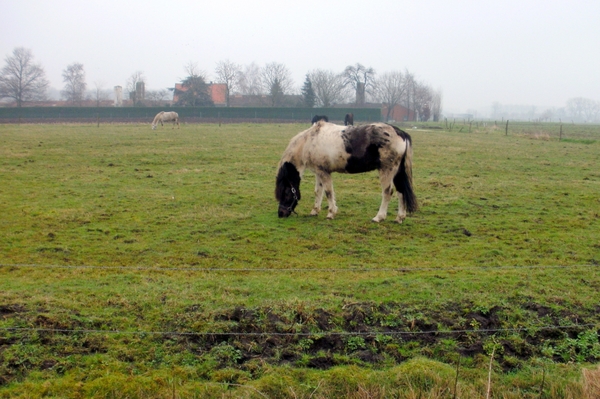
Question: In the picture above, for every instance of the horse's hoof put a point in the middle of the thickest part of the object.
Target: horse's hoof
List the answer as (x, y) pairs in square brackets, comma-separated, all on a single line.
[(314, 212), (378, 218)]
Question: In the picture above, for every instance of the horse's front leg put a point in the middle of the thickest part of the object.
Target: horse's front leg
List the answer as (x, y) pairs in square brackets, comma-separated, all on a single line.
[(385, 178), (318, 196)]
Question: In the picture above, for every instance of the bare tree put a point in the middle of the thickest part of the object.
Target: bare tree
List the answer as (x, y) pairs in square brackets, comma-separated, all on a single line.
[(192, 70), (592, 110), (584, 109), (21, 79), (361, 79), (133, 84), (157, 97), (423, 98), (575, 107), (249, 80), (436, 105), (277, 81), (99, 93), (75, 86), (328, 87), (227, 72), (409, 96), (496, 109), (390, 89)]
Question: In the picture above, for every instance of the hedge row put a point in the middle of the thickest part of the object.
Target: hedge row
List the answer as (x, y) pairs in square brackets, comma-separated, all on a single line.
[(212, 113)]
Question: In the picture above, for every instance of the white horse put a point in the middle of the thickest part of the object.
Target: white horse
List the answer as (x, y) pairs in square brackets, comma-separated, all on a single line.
[(325, 148), (163, 116)]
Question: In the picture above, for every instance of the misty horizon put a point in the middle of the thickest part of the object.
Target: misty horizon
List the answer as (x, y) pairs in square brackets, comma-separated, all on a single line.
[(534, 54)]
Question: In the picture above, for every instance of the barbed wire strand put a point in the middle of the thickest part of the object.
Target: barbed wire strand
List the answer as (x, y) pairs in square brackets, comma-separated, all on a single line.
[(294, 334), (293, 269)]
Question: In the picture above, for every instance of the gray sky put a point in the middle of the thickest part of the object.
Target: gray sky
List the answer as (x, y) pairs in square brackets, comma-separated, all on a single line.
[(517, 52)]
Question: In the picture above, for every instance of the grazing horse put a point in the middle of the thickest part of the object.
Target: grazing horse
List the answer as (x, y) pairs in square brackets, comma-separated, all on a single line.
[(317, 118), (325, 148), (349, 119), (163, 116)]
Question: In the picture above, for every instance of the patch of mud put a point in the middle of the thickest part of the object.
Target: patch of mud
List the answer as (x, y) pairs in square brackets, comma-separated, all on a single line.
[(376, 333)]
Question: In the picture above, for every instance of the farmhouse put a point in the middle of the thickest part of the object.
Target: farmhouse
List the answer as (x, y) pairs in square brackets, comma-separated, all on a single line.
[(216, 91)]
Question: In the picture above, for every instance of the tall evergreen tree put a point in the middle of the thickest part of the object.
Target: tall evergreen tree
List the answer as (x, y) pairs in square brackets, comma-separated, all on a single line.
[(308, 94), (196, 93)]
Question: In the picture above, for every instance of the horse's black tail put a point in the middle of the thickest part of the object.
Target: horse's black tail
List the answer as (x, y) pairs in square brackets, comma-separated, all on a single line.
[(403, 178)]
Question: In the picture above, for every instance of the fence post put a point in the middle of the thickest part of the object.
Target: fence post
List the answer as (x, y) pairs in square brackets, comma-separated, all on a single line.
[(560, 134), (506, 131), (456, 378)]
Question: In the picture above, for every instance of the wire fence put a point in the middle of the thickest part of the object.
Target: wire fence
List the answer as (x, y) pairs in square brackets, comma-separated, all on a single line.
[(300, 270), (299, 334)]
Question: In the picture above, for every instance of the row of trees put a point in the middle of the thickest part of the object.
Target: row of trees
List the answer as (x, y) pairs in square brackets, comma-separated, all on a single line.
[(325, 88), (583, 109), (24, 80), (578, 109)]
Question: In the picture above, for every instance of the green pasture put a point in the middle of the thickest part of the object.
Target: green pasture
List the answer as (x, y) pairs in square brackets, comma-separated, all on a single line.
[(151, 264)]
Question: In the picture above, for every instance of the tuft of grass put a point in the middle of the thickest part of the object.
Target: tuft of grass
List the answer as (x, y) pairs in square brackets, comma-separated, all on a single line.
[(578, 141)]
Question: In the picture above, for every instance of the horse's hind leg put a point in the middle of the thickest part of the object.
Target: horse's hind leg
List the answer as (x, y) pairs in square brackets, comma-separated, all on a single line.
[(318, 196), (385, 178), (401, 210)]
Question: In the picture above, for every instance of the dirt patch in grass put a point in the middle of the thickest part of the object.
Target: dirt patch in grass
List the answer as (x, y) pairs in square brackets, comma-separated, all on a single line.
[(376, 334)]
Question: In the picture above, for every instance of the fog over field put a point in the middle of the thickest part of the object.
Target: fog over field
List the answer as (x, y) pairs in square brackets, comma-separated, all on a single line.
[(530, 55)]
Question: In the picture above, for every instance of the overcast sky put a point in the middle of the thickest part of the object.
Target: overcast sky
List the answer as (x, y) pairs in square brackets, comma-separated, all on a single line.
[(516, 52)]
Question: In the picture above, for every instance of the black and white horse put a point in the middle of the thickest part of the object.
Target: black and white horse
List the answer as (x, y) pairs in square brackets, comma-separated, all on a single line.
[(349, 119), (325, 148), (317, 118)]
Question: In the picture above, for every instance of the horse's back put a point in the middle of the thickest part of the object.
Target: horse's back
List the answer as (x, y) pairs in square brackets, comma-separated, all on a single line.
[(325, 148), (358, 149)]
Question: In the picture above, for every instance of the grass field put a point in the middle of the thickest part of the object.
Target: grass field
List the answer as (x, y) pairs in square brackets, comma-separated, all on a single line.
[(151, 264)]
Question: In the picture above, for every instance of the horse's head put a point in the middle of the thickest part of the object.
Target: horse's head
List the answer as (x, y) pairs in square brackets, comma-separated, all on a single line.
[(287, 189), (153, 127)]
